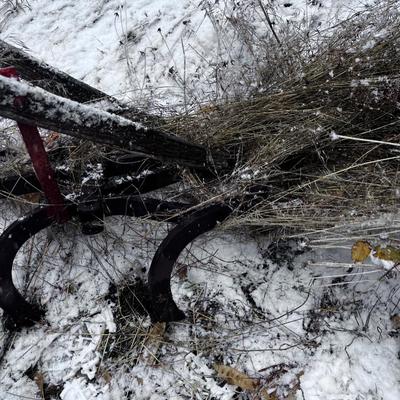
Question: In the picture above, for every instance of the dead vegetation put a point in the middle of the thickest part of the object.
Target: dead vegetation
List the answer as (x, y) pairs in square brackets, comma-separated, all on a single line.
[(296, 94), (306, 184), (322, 139)]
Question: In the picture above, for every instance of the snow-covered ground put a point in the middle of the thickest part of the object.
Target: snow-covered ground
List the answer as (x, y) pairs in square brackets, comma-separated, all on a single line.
[(161, 51), (294, 317)]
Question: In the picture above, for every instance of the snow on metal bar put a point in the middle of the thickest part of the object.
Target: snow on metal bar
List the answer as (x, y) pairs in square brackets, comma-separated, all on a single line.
[(49, 111)]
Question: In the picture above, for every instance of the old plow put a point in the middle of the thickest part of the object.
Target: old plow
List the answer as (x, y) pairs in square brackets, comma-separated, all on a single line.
[(58, 105)]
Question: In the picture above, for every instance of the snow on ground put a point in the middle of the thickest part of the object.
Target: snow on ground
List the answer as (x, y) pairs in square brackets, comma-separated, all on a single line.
[(158, 52), (250, 304), (299, 319)]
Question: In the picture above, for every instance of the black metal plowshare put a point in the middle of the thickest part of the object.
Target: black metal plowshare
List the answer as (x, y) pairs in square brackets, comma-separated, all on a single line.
[(96, 204), (163, 307)]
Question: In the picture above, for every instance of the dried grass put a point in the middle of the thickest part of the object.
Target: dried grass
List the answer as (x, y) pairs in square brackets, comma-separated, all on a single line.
[(299, 94), (281, 137)]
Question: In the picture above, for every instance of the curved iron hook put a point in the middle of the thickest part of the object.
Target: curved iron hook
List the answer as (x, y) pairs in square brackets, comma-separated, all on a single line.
[(164, 308), (19, 311), (15, 306)]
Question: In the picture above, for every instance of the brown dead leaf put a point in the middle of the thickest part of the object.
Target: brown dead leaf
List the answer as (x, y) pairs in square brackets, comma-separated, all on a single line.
[(39, 380), (360, 251), (106, 376), (51, 139), (387, 253), (33, 198), (182, 271), (294, 387), (395, 319), (153, 342), (237, 378), (140, 381), (157, 331)]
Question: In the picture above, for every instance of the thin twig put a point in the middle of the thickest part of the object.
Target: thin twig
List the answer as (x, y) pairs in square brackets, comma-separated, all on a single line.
[(269, 21)]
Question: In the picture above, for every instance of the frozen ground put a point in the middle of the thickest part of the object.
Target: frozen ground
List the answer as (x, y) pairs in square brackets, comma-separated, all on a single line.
[(292, 314)]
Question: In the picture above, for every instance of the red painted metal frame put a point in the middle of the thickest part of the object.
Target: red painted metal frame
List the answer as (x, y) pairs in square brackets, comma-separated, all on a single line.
[(41, 164)]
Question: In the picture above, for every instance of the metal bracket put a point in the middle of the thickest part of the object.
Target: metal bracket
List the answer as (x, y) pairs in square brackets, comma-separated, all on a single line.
[(41, 164)]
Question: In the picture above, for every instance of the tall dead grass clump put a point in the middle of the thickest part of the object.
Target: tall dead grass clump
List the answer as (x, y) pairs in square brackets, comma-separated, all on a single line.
[(346, 88)]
